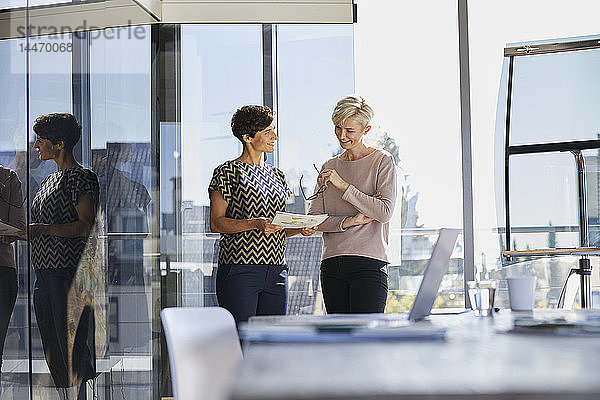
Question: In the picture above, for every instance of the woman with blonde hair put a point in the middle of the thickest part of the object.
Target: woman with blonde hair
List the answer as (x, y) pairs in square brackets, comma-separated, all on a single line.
[(358, 190)]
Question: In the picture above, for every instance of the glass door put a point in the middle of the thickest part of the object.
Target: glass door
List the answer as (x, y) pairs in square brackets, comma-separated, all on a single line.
[(104, 329)]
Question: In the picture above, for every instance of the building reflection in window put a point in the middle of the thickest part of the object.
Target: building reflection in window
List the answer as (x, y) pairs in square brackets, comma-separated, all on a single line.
[(125, 204)]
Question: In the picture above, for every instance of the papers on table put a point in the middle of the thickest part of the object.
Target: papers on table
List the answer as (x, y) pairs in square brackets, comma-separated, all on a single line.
[(6, 229), (337, 328), (588, 326), (338, 334), (290, 220)]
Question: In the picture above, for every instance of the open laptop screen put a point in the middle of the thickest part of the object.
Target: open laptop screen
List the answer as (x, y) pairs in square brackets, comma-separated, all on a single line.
[(434, 272)]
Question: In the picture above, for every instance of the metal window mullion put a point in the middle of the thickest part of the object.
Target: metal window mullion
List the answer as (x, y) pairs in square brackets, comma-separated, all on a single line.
[(275, 75), (81, 94), (155, 345), (268, 79), (166, 107), (29, 201), (575, 145), (467, 161), (529, 49), (507, 153)]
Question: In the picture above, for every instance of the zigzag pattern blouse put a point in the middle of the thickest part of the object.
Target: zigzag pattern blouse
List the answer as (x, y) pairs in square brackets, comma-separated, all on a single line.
[(251, 191), (55, 203)]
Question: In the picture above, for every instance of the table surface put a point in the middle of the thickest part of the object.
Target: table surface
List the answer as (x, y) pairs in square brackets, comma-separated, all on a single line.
[(478, 359)]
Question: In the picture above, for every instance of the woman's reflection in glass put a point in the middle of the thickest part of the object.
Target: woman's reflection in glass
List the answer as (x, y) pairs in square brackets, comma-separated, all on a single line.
[(63, 214)]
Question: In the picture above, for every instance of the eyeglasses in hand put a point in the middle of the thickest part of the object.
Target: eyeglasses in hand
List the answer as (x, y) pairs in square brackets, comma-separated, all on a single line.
[(317, 193)]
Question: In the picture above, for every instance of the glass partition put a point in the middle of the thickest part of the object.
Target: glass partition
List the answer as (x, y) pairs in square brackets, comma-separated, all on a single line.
[(548, 114), (13, 4), (543, 191), (6, 4), (214, 83), (555, 97), (50, 91), (315, 69), (14, 291), (492, 25), (148, 180), (121, 151), (87, 313), (415, 92)]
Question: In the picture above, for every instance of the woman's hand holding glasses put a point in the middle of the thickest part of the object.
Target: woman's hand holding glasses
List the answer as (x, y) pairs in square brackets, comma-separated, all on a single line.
[(331, 177), (315, 194)]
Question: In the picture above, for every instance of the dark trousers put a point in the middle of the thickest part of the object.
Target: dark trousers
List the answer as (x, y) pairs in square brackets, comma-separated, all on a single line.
[(354, 284), (8, 296), (252, 289), (68, 366)]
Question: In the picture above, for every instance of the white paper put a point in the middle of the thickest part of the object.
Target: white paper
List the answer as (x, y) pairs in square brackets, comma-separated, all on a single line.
[(290, 220), (6, 229)]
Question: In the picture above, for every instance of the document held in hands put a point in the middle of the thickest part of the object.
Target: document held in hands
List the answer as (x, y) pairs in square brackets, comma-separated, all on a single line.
[(6, 229), (290, 220)]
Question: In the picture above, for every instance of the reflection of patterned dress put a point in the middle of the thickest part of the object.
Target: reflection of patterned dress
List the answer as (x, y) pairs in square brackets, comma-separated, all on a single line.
[(251, 191), (65, 319), (55, 203)]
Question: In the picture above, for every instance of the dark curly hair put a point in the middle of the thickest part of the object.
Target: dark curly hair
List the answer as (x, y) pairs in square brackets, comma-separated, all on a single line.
[(58, 127), (248, 120)]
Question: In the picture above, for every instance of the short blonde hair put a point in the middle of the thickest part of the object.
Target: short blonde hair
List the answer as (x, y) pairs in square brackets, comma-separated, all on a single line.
[(352, 106)]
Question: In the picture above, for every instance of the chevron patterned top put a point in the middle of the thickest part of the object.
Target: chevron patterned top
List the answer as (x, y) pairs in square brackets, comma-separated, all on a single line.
[(251, 191), (54, 203)]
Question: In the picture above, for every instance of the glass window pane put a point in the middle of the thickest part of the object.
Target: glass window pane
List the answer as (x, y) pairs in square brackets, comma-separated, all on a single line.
[(32, 3), (543, 193), (592, 168), (415, 93), (121, 152), (50, 92), (555, 97), (13, 4), (552, 100), (315, 69), (492, 25), (14, 329), (221, 70)]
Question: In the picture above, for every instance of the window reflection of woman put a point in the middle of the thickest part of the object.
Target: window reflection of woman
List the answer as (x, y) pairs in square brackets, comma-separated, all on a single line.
[(360, 199), (245, 194), (11, 213), (63, 213)]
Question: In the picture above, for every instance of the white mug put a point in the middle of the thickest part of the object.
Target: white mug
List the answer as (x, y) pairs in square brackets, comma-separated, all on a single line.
[(521, 292)]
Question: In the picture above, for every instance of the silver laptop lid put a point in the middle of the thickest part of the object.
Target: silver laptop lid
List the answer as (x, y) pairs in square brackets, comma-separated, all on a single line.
[(434, 272)]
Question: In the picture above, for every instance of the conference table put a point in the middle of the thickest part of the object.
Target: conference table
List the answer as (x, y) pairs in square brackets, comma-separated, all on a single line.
[(479, 358)]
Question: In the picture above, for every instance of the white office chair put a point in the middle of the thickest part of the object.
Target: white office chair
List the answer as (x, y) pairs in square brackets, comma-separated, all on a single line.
[(204, 351)]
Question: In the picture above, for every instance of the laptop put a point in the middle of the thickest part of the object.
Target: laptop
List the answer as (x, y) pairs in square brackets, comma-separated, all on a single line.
[(312, 328), (436, 268)]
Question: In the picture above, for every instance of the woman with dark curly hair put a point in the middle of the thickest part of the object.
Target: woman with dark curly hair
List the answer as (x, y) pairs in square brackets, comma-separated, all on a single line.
[(245, 194)]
